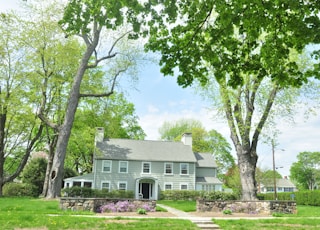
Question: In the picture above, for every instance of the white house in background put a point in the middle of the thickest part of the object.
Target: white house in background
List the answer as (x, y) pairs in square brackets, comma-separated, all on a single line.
[(282, 185), (148, 167)]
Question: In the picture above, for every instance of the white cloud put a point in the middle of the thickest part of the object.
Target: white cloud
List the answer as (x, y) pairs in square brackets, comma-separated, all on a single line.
[(294, 138), (153, 109)]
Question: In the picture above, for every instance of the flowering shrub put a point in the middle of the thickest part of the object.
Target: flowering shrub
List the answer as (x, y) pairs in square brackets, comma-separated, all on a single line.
[(125, 206)]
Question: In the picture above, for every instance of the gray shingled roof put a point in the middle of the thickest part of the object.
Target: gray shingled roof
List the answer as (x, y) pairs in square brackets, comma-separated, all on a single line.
[(208, 180), (281, 183), (88, 176), (146, 150), (205, 160)]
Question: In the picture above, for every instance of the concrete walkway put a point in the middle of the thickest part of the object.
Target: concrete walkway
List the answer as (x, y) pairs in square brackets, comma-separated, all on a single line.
[(201, 222)]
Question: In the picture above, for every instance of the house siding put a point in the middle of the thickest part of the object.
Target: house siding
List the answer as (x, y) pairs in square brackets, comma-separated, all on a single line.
[(206, 172), (135, 171)]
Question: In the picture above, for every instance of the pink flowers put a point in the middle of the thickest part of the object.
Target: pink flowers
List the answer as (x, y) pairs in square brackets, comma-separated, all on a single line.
[(125, 206)]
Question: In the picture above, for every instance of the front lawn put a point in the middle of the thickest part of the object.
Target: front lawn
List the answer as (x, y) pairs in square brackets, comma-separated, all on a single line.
[(308, 217), (183, 205), (46, 214)]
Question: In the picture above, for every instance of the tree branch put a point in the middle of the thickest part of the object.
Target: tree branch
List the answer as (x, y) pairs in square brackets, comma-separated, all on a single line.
[(265, 115), (110, 52), (108, 93)]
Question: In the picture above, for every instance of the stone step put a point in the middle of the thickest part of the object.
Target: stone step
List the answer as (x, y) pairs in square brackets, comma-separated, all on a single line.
[(206, 224)]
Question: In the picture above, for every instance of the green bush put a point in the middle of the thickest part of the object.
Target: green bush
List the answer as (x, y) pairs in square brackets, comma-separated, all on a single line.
[(218, 196), (20, 189), (34, 173), (302, 197), (95, 193), (193, 195), (179, 195)]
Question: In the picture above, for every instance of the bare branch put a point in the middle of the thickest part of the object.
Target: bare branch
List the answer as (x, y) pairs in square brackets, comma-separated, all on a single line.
[(265, 115), (111, 90), (47, 122), (110, 53)]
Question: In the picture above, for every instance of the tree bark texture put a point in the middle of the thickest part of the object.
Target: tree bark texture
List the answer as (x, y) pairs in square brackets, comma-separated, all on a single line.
[(239, 109), (57, 170)]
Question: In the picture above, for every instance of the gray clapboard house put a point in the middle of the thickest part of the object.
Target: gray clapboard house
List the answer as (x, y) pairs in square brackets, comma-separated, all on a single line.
[(148, 167), (282, 185)]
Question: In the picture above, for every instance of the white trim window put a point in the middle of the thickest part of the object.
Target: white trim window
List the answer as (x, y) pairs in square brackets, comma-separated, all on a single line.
[(183, 186), (106, 166), (184, 169), (122, 185), (168, 168), (168, 186), (105, 185), (146, 167), (123, 166)]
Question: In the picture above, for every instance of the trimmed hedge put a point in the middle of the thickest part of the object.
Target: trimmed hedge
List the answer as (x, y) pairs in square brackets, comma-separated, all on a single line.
[(311, 198), (95, 193), (20, 190), (193, 195)]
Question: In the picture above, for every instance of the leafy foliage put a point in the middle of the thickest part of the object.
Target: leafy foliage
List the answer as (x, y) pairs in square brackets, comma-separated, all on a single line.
[(193, 195), (14, 189), (77, 191), (34, 173), (306, 170), (311, 198), (202, 141), (115, 114), (242, 46)]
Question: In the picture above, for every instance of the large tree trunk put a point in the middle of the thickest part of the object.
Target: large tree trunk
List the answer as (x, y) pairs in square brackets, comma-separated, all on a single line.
[(247, 162), (48, 170), (57, 171)]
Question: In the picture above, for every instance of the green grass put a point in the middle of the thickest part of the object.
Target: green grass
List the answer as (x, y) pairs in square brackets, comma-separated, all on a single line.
[(183, 205), (38, 213), (308, 217)]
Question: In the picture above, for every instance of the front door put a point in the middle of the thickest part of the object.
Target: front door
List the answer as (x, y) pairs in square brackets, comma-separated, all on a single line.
[(145, 190)]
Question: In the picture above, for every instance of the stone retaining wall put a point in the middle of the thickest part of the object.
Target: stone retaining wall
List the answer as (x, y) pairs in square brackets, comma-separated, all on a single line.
[(251, 207), (93, 204)]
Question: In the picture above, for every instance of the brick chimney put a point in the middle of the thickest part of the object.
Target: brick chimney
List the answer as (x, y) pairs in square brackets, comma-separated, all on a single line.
[(99, 136), (187, 139)]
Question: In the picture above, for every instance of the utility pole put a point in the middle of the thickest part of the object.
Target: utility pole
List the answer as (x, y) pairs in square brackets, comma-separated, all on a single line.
[(274, 172)]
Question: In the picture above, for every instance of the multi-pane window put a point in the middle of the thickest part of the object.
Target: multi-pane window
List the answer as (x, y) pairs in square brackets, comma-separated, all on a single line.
[(87, 184), (77, 183), (184, 168), (168, 186), (106, 166), (288, 189), (168, 168), (270, 189), (123, 166), (183, 186), (122, 186), (146, 167), (105, 185)]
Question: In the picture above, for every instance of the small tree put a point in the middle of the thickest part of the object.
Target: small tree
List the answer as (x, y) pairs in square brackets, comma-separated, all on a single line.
[(34, 173)]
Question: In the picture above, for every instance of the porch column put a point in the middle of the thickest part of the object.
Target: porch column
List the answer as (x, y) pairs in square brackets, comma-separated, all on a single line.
[(137, 189)]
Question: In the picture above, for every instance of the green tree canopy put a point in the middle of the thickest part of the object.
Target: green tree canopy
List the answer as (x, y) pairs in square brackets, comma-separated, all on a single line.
[(202, 141), (244, 47), (306, 172), (115, 114)]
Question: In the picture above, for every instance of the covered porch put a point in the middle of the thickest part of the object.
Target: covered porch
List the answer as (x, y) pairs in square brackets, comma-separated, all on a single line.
[(146, 188)]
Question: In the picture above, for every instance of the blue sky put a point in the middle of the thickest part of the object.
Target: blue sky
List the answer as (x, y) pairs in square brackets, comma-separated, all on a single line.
[(158, 99)]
